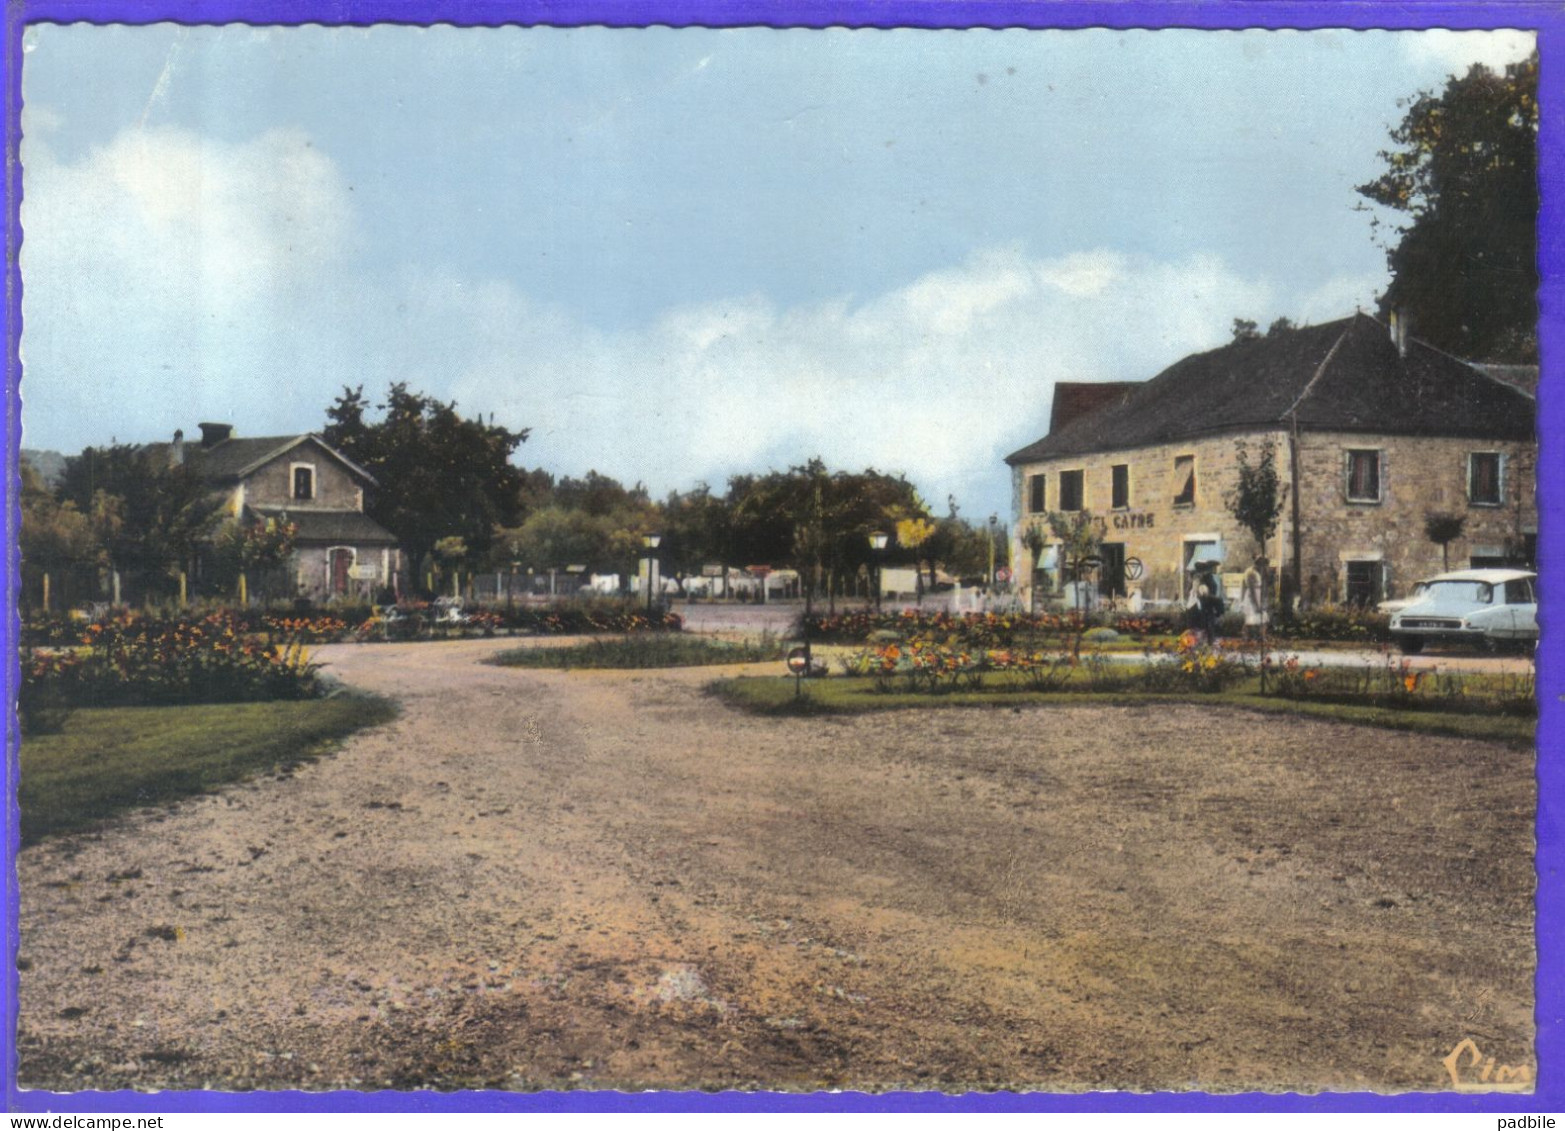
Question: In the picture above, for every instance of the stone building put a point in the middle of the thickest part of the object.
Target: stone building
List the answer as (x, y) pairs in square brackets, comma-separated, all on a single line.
[(1373, 431), (339, 551)]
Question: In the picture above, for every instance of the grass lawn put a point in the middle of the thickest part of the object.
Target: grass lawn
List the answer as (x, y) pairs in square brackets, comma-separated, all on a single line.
[(109, 760), (651, 650), (775, 696)]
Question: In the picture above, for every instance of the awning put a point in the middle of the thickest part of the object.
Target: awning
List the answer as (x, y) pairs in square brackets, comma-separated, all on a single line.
[(1199, 552), (1050, 558)]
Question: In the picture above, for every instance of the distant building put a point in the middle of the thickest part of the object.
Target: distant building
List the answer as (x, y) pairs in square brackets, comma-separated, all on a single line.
[(1373, 430), (339, 551)]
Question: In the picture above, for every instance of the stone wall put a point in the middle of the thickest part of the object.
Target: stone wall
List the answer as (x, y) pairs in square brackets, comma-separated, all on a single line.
[(312, 572), (1418, 475), (335, 487)]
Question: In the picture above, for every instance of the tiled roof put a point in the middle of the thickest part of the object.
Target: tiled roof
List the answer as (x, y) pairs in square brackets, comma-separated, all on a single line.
[(353, 528), (1074, 399), (1340, 376), (232, 459)]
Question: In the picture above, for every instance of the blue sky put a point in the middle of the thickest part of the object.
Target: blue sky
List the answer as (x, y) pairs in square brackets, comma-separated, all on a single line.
[(679, 254)]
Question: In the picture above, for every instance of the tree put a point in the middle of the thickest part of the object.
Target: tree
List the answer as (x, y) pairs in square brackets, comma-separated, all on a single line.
[(255, 549), (147, 516), (440, 475), (1442, 528), (1245, 330), (1280, 326), (1080, 539), (1464, 170), (1255, 500), (55, 536)]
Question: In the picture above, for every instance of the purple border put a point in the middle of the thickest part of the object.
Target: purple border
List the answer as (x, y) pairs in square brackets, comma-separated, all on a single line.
[(1547, 18)]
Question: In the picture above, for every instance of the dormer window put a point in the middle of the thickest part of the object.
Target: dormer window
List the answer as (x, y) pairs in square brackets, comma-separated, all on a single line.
[(303, 482)]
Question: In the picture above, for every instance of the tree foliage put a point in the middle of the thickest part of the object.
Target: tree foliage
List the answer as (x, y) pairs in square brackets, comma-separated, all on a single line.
[(145, 515), (440, 475), (1442, 528), (1255, 500), (1464, 171), (54, 534)]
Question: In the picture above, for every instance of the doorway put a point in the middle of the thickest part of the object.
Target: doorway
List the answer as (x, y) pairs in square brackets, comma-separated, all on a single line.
[(1111, 578)]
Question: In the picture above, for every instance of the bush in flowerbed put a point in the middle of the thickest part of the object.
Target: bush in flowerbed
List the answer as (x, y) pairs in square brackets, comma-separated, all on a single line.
[(138, 660), (973, 630), (1340, 623), (1193, 664), (578, 618), (1393, 683)]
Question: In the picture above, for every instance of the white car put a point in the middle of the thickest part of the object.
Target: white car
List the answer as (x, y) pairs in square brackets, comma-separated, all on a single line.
[(1482, 606), (1397, 604)]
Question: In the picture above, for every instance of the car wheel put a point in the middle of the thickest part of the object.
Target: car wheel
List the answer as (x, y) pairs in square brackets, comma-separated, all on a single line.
[(1411, 645)]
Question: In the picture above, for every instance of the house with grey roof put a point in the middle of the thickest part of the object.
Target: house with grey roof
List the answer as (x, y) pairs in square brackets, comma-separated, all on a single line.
[(1373, 430), (340, 553)]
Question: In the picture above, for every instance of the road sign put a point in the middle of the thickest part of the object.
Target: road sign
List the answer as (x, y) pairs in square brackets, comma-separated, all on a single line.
[(1002, 574), (798, 661)]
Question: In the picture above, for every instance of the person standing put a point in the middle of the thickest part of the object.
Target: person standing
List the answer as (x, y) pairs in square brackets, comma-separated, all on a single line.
[(1252, 598)]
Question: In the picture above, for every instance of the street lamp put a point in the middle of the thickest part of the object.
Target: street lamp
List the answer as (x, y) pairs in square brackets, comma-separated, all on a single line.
[(510, 587), (651, 543), (877, 543), (994, 522)]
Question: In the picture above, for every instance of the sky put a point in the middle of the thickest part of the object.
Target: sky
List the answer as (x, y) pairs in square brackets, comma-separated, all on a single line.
[(676, 255)]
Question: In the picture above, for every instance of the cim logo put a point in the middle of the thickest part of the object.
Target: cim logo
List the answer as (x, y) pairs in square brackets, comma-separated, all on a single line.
[(1472, 1071)]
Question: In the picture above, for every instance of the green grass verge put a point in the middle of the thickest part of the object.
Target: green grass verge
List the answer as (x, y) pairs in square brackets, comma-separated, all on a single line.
[(641, 651), (775, 696), (109, 760)]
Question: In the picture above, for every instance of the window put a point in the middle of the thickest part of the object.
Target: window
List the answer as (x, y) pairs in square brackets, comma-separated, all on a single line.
[(1070, 490), (1363, 477), (1119, 486), (1518, 591), (1483, 479), (303, 482), (1184, 481), (1037, 501), (1363, 583)]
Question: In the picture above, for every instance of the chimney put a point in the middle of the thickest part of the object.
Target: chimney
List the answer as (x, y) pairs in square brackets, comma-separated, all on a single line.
[(1401, 326), (176, 450), (214, 434)]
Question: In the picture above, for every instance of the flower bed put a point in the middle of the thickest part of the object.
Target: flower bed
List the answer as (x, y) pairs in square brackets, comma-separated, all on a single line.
[(976, 630), (928, 667), (134, 660), (408, 620), (1395, 684)]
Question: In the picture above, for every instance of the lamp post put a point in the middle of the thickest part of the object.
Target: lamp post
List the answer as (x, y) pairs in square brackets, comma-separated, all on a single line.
[(877, 544), (994, 522), (510, 587), (651, 542)]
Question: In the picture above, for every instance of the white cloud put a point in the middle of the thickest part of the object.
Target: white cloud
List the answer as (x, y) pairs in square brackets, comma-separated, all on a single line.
[(1459, 50), (170, 279), (937, 379), (165, 256)]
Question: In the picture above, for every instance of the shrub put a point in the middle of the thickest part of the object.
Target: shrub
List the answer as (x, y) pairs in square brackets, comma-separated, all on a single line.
[(1193, 665), (135, 660), (1336, 623)]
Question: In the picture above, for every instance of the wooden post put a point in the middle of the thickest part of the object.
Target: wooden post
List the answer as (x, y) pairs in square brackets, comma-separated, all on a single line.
[(244, 591), (183, 589), (46, 592), (116, 588)]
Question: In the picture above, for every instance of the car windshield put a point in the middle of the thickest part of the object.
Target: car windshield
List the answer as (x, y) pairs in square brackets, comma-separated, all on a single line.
[(1460, 592)]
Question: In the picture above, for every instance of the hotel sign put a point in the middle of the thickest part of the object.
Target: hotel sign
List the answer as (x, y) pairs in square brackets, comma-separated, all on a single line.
[(1126, 520)]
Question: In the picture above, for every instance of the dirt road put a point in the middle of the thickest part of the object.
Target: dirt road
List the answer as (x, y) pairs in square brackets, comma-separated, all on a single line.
[(608, 880)]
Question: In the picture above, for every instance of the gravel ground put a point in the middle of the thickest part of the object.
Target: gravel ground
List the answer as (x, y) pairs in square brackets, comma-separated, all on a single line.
[(538, 879)]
